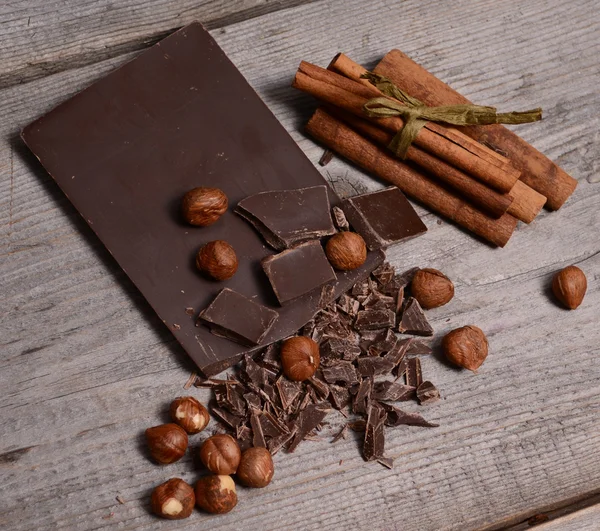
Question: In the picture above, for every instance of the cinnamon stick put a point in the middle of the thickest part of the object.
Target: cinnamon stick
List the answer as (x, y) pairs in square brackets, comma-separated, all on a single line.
[(522, 202), (537, 171), (350, 96), (487, 200), (340, 138)]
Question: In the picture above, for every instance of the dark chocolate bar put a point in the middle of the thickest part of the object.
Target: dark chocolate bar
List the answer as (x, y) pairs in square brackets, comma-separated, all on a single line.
[(286, 218), (298, 271), (383, 217), (126, 149)]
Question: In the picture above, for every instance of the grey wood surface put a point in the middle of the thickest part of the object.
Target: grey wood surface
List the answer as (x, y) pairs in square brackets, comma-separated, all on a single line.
[(85, 366)]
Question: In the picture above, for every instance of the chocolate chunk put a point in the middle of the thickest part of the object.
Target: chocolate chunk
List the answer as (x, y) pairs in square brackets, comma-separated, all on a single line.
[(397, 353), (270, 426), (253, 400), (361, 400), (235, 399), (258, 438), (400, 370), (397, 417), (286, 218), (384, 274), (377, 300), (427, 392), (375, 319), (244, 437), (339, 396), (387, 341), (413, 320), (308, 420), (342, 373), (230, 419), (357, 425), (360, 289), (383, 217), (270, 358), (256, 373), (277, 443), (386, 461), (392, 392), (338, 349), (370, 337), (298, 271), (238, 318), (374, 443), (326, 157), (418, 347), (374, 366), (348, 305), (288, 391), (414, 377), (339, 218), (405, 278), (320, 386)]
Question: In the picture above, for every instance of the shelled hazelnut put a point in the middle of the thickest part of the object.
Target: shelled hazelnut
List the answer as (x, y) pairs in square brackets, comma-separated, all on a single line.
[(174, 499), (466, 347), (300, 358), (569, 286), (217, 259), (221, 454), (346, 250), (167, 442), (256, 468), (431, 288), (216, 494), (190, 414), (203, 206)]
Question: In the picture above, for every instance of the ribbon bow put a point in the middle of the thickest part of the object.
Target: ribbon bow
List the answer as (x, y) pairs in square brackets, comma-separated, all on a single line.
[(416, 114)]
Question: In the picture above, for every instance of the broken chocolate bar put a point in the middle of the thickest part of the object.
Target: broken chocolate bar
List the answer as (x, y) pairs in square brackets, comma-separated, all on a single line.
[(286, 218), (298, 271), (238, 318), (383, 217), (413, 320)]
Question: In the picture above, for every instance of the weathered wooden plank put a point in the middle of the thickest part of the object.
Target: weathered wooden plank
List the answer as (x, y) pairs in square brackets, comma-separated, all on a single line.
[(45, 37), (584, 520), (86, 367)]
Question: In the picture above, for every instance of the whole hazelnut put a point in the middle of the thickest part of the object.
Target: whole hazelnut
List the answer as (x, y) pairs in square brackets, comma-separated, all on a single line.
[(174, 499), (466, 347), (431, 288), (190, 414), (216, 494), (256, 468), (300, 358), (569, 286), (203, 206), (221, 454), (167, 442), (346, 250), (217, 259)]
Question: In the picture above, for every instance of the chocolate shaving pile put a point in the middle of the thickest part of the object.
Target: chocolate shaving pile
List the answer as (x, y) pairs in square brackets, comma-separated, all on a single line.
[(362, 364)]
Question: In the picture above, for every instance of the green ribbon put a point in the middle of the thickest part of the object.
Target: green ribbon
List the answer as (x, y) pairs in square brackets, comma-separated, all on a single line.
[(416, 114)]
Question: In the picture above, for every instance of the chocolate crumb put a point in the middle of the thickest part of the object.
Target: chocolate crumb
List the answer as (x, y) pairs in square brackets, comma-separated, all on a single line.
[(191, 380), (326, 157)]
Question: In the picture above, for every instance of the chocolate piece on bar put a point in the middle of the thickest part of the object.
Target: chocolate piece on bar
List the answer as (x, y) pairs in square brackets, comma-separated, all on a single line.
[(413, 320), (286, 218), (427, 392), (298, 271), (383, 217), (339, 218), (238, 318), (373, 319), (127, 148)]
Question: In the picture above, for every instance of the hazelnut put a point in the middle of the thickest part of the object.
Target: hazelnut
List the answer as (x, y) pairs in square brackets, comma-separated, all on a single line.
[(299, 358), (431, 288), (466, 347), (217, 259), (190, 414), (216, 494), (167, 442), (346, 250), (569, 286), (203, 206), (256, 468), (174, 499), (221, 454)]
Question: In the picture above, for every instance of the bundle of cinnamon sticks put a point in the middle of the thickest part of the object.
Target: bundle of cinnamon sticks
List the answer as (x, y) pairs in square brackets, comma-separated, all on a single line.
[(484, 178)]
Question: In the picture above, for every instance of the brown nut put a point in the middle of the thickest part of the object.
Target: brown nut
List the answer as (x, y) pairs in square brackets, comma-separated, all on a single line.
[(300, 358), (203, 206), (174, 499), (221, 454), (431, 288), (217, 259), (346, 250), (466, 347), (167, 442), (190, 414), (569, 286), (216, 494), (256, 468)]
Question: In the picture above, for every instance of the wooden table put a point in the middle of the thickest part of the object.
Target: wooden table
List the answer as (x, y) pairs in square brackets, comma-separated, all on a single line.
[(86, 366)]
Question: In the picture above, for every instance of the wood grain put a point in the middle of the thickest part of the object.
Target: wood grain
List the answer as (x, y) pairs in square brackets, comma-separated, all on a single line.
[(85, 366)]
